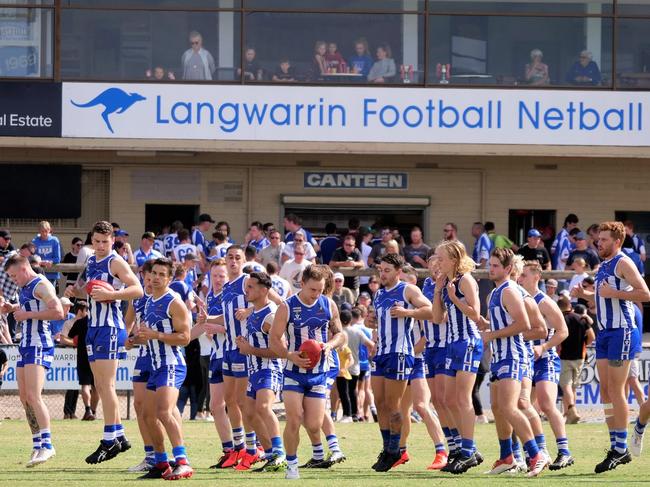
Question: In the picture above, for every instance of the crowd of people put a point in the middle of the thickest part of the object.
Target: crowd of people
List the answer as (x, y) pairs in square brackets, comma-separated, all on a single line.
[(232, 328)]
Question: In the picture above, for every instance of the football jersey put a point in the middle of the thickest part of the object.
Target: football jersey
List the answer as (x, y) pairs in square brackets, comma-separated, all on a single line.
[(613, 313), (233, 298), (103, 313), (158, 317), (138, 307), (181, 250), (259, 338), (436, 334), (506, 348), (35, 333), (281, 286), (215, 308), (459, 326), (552, 352), (170, 243), (394, 335), (305, 323)]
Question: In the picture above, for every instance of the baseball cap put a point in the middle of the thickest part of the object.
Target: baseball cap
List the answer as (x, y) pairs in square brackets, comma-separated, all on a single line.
[(364, 295), (338, 275), (5, 234), (204, 217), (121, 233), (533, 232), (150, 235), (580, 236), (551, 282), (346, 307), (65, 301)]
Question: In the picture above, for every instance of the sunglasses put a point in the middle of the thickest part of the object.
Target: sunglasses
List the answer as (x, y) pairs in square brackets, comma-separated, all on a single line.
[(298, 253)]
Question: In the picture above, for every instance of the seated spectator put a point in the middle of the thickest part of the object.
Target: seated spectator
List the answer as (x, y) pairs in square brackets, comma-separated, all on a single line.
[(318, 65), (384, 68), (584, 72), (197, 62), (334, 62), (252, 69), (159, 74), (582, 250), (284, 73), (536, 71), (361, 62), (341, 294)]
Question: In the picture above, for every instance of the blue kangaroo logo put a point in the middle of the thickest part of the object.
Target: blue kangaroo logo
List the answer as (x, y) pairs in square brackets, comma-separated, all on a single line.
[(114, 100)]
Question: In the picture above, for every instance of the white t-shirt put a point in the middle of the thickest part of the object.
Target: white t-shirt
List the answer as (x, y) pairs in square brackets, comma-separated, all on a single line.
[(310, 253), (292, 272), (281, 286), (85, 252), (180, 251), (576, 280), (365, 252)]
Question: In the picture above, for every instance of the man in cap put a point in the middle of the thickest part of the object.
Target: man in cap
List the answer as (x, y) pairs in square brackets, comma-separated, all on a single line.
[(583, 250), (534, 249), (146, 251), (5, 244)]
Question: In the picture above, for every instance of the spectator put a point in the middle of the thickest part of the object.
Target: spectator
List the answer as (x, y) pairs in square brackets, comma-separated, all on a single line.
[(5, 244), (384, 68), (197, 62), (319, 65), (356, 339), (450, 231), (86, 250), (551, 289), (256, 236), (5, 334), (417, 251), (365, 237), (341, 293), (379, 250), (364, 299), (268, 227), (499, 241), (361, 62), (218, 247), (56, 326), (280, 285), (399, 239), (536, 72), (293, 223), (347, 256), (193, 380), (534, 249), (392, 247), (292, 269), (365, 398), (329, 243), (334, 62), (48, 248), (628, 249), (353, 226), (592, 233), (572, 354), (225, 227), (561, 246), (639, 245), (343, 377), (299, 237), (273, 251), (252, 69), (482, 246), (146, 251), (9, 293), (579, 266), (582, 250), (71, 258), (284, 72), (373, 286), (122, 237), (584, 72), (159, 73)]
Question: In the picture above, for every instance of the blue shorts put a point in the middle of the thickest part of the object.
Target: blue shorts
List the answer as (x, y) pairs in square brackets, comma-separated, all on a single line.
[(106, 343), (463, 356), (310, 385), (167, 376), (618, 344), (264, 379), (547, 369), (394, 366), (332, 374), (417, 372), (435, 359), (506, 369), (216, 370), (142, 369), (527, 371), (234, 364), (42, 356)]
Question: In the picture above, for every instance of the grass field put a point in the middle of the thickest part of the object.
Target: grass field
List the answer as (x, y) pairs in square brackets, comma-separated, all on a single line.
[(360, 442)]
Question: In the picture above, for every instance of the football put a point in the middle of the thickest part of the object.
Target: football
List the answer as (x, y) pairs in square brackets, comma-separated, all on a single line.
[(311, 349), (98, 283)]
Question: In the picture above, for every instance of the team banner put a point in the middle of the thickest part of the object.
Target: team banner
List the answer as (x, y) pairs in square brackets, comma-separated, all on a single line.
[(355, 114)]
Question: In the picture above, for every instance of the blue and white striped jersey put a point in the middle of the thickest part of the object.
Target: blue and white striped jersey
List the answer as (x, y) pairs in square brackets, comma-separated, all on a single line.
[(459, 326), (104, 313), (158, 317), (35, 333), (507, 348), (141, 256), (281, 286), (170, 243), (305, 323), (613, 313), (394, 335), (198, 240), (233, 298), (482, 248), (259, 338), (215, 308), (552, 352), (436, 334), (417, 334), (138, 307)]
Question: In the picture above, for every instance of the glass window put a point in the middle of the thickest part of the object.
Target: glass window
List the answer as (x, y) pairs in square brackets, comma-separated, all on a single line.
[(155, 4), (633, 54), (594, 7), (34, 3), (26, 36), (134, 45), (371, 5), (527, 51), (633, 7), (335, 48)]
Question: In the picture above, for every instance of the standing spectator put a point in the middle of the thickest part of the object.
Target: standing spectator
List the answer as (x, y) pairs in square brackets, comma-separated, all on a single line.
[(592, 233), (363, 241), (373, 286), (122, 236), (349, 257), (353, 226), (48, 248), (562, 245), (450, 231), (384, 70), (361, 62), (71, 258), (9, 294), (252, 69), (344, 378), (292, 269), (482, 246), (329, 243), (534, 249), (573, 353), (499, 241), (86, 250), (293, 224), (256, 236), (193, 379), (197, 62), (582, 251), (639, 245), (273, 251), (551, 289), (203, 408), (379, 249), (356, 339), (5, 244), (417, 251), (299, 238), (579, 266), (158, 73), (584, 72), (146, 251), (341, 293)]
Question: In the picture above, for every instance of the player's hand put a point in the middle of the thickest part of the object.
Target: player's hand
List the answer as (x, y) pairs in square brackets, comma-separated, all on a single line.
[(99, 294), (606, 291), (326, 347), (483, 324), (399, 312), (147, 333), (486, 336), (440, 281), (57, 338), (6, 307), (202, 315), (22, 315), (45, 264), (538, 351), (69, 292), (243, 345), (451, 291), (243, 313), (129, 343), (211, 329), (298, 360)]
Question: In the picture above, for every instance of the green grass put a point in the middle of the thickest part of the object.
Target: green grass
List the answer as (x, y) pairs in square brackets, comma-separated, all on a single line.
[(360, 442)]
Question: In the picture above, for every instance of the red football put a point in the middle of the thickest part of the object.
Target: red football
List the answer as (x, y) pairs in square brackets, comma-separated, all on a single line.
[(311, 349), (90, 285)]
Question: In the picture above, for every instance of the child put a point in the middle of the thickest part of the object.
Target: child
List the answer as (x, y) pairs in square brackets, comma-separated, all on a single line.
[(284, 72), (333, 59)]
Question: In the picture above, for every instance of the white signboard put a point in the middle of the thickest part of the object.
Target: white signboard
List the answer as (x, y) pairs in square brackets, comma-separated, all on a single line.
[(355, 114), (63, 373)]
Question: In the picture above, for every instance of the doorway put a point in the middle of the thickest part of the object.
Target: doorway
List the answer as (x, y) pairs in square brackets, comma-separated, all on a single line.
[(520, 221), (158, 216)]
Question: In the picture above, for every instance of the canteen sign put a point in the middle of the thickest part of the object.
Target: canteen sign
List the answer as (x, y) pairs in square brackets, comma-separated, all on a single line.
[(355, 114), (356, 180)]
